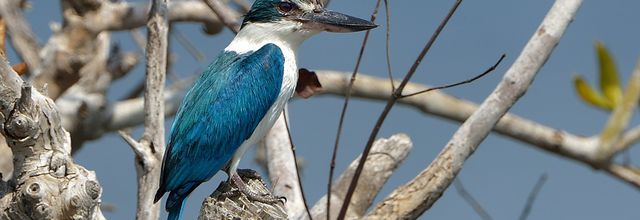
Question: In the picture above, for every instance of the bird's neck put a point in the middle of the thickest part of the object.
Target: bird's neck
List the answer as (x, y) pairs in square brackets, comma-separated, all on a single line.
[(286, 35)]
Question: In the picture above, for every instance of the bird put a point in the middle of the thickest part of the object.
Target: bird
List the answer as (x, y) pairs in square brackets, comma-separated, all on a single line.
[(240, 95)]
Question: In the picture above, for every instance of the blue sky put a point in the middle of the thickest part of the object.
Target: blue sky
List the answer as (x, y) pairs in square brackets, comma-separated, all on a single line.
[(501, 172)]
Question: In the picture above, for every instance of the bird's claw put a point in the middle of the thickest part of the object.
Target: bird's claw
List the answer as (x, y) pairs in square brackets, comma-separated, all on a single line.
[(244, 189)]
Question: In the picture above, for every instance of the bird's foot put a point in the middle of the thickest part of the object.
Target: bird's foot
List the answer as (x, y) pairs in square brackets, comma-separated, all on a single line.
[(244, 189)]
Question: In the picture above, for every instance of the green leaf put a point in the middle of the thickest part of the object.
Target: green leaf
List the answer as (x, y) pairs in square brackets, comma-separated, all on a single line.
[(590, 95), (609, 81)]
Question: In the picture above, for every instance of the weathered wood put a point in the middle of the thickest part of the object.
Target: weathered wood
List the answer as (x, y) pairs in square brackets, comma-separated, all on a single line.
[(238, 206), (46, 183)]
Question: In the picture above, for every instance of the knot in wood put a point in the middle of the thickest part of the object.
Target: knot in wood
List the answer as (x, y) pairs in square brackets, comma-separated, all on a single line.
[(42, 211), (58, 164), (20, 126), (93, 189), (75, 201), (33, 191)]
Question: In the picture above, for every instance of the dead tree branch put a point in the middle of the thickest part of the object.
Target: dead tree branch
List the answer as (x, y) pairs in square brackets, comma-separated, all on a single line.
[(619, 119), (42, 158), (123, 15), (477, 207), (418, 195), (282, 170), (22, 37), (150, 149), (386, 155), (532, 196), (217, 206), (228, 16)]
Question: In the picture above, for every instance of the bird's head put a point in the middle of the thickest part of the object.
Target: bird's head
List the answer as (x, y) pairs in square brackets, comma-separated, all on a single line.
[(297, 20), (310, 15)]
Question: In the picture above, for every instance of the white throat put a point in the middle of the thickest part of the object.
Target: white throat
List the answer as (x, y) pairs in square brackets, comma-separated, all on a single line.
[(287, 35)]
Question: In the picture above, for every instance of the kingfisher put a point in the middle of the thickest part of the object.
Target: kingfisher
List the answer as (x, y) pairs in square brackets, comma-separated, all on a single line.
[(237, 99)]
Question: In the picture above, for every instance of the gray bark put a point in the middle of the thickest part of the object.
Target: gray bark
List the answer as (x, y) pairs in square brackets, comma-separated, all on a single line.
[(46, 183), (238, 206)]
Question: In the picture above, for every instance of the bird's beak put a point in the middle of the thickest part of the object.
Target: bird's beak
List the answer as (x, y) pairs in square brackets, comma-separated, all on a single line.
[(325, 20)]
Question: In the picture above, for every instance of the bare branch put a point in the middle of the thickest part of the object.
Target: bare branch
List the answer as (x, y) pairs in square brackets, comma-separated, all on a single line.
[(42, 158), (620, 118), (470, 200), (22, 38), (491, 69), (532, 196), (124, 15), (386, 156), (397, 94), (282, 169), (628, 138), (150, 149), (186, 43), (418, 195), (228, 16), (238, 206), (628, 174), (244, 5), (343, 112), (130, 113), (388, 44), (153, 137)]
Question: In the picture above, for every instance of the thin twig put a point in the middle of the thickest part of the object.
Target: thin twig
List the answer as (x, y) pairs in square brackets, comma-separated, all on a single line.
[(345, 105), (295, 162), (418, 195), (620, 118), (150, 148), (396, 95), (489, 70), (186, 43), (388, 44), (226, 14), (139, 39), (244, 5), (470, 200), (532, 196), (22, 37)]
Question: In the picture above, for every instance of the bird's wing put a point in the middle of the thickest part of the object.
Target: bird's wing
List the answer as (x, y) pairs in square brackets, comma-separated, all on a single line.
[(220, 112)]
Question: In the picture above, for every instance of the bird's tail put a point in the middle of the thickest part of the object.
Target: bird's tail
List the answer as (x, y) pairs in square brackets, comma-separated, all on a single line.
[(174, 205)]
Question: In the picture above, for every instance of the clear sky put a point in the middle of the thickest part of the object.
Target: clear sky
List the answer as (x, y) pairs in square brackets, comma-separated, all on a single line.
[(501, 172)]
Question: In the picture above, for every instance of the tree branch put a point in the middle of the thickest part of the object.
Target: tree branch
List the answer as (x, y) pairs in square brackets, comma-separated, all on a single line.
[(42, 158), (238, 206), (150, 149), (532, 197), (477, 207), (418, 195), (620, 118), (282, 169), (124, 15), (129, 113), (22, 38), (228, 16), (386, 155), (153, 136)]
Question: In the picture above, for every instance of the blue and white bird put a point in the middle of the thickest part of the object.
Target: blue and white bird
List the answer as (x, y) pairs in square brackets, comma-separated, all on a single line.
[(240, 95)]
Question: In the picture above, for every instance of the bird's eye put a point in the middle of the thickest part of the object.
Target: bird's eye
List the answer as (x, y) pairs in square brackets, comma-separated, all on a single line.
[(285, 7)]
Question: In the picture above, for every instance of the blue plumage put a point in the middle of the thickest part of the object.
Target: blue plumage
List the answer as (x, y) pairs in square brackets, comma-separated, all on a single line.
[(237, 99), (217, 115)]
